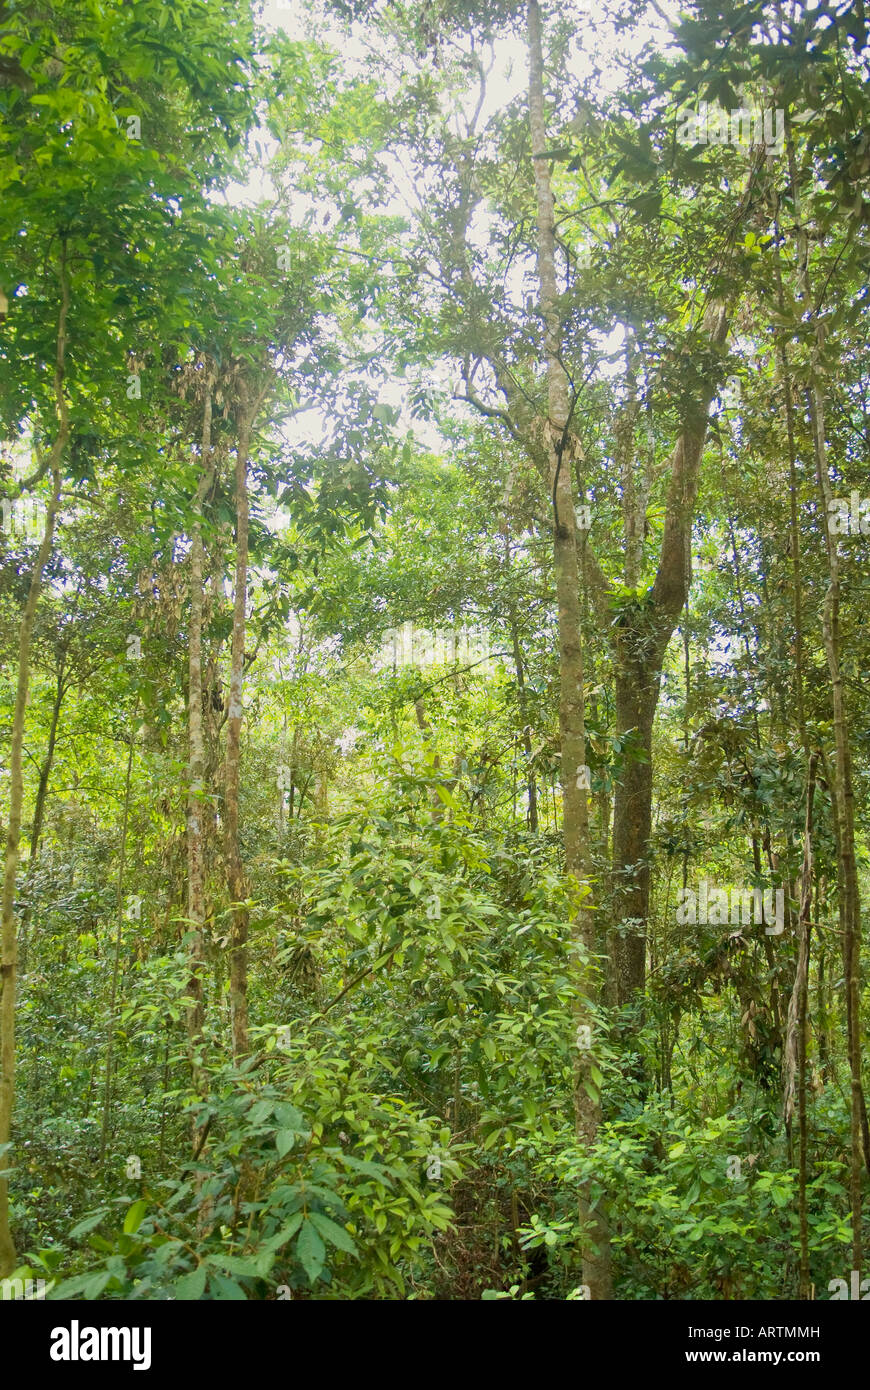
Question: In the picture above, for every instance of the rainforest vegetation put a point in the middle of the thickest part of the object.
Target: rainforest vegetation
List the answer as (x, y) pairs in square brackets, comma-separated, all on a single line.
[(434, 662)]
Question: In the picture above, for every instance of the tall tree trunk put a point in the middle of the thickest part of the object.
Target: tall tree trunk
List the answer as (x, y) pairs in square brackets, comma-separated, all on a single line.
[(116, 955), (523, 701), (196, 765), (794, 528), (641, 637), (636, 696), (575, 813), (640, 640), (39, 809), (8, 935), (795, 1051), (823, 1021), (237, 883), (844, 795), (45, 769)]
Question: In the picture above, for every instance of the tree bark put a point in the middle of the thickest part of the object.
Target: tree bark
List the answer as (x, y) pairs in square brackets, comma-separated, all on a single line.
[(45, 770), (39, 809), (641, 637), (196, 749), (522, 699), (237, 882), (116, 955), (844, 795), (795, 1051), (595, 1236)]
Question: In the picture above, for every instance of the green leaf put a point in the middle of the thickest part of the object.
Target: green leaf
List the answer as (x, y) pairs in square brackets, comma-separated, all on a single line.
[(95, 1285), (286, 1233), (71, 1288), (289, 1117), (191, 1286), (135, 1216), (88, 1224), (226, 1290), (331, 1231), (284, 1140), (311, 1250), (449, 800)]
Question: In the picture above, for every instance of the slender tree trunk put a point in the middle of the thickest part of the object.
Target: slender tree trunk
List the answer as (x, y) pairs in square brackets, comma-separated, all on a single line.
[(575, 811), (39, 813), (116, 955), (196, 767), (794, 528), (237, 883), (823, 1024), (8, 935), (45, 770), (293, 766), (844, 796), (522, 698), (795, 1051)]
